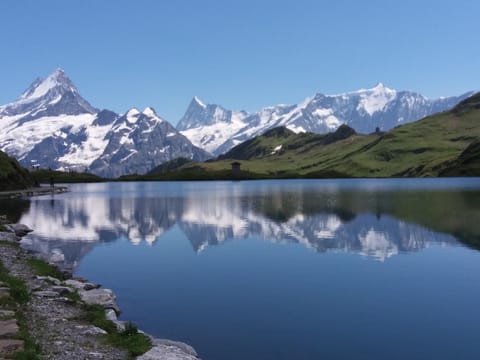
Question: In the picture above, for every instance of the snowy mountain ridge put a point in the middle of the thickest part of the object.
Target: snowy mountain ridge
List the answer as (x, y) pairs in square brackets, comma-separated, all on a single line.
[(50, 125), (364, 110)]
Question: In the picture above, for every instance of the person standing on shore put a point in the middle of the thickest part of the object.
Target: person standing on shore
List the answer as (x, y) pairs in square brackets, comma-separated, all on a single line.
[(52, 183)]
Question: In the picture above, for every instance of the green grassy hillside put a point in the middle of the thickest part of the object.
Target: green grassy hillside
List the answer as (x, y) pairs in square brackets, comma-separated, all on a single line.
[(12, 175), (44, 176), (445, 144)]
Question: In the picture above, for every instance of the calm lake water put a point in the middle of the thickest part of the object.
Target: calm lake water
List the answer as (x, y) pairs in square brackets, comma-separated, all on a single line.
[(301, 269)]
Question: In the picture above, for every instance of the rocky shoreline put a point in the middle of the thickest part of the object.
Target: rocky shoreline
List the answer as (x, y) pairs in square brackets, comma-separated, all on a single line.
[(42, 190), (56, 315)]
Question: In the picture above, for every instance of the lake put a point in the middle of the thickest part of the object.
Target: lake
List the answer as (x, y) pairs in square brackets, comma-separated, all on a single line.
[(292, 269)]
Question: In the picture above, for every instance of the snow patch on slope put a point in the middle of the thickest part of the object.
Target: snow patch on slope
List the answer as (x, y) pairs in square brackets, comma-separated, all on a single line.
[(19, 140), (375, 99), (90, 149)]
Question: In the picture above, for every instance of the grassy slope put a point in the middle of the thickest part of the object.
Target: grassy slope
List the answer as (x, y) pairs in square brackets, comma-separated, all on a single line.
[(44, 176), (436, 145), (12, 175)]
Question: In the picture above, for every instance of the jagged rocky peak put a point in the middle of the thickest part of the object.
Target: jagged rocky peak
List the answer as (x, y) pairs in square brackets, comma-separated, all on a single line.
[(150, 112), (105, 117), (200, 114), (54, 95), (57, 82), (197, 102), (381, 87), (135, 116), (132, 115)]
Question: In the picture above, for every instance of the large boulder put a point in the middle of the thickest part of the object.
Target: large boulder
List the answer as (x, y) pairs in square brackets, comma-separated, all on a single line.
[(166, 352), (81, 285), (181, 345), (103, 297), (18, 229)]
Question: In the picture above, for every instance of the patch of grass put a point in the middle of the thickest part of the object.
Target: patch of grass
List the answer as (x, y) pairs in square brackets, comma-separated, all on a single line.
[(95, 315), (31, 350), (9, 243), (134, 342), (18, 290), (44, 176), (43, 268), (131, 340), (2, 228), (19, 295), (75, 297)]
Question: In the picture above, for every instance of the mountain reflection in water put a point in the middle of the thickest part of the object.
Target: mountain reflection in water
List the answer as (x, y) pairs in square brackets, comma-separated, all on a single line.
[(369, 222)]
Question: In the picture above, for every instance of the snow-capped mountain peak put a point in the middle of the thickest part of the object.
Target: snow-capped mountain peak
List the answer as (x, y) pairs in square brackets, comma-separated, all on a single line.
[(380, 87), (375, 99), (52, 96), (57, 81), (198, 102), (150, 112), (218, 124), (132, 115)]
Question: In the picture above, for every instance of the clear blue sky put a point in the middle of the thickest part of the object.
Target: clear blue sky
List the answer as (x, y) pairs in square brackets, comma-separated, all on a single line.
[(242, 54)]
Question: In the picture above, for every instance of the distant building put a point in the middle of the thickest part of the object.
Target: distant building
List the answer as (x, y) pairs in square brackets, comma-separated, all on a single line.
[(236, 168)]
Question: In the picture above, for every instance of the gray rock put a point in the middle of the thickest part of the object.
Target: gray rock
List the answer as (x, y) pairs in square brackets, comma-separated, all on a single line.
[(6, 314), (95, 355), (37, 285), (9, 236), (91, 330), (67, 273), (8, 328), (184, 347), (10, 346), (4, 292), (75, 284), (45, 293), (50, 279), (80, 285), (111, 315), (166, 352), (104, 297), (90, 286), (62, 290), (19, 229)]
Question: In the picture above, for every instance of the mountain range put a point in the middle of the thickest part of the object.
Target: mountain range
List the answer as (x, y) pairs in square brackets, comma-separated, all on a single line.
[(443, 144), (52, 126), (217, 130)]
